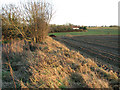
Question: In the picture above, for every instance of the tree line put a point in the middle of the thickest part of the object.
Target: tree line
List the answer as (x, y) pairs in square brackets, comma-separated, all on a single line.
[(66, 28)]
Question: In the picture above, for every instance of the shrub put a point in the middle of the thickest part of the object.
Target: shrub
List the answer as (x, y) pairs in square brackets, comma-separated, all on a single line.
[(84, 28), (30, 20)]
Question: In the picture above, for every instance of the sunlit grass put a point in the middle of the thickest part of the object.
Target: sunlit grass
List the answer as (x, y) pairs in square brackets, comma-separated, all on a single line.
[(51, 65)]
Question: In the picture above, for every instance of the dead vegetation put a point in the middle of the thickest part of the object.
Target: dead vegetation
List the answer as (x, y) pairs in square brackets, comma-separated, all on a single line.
[(50, 64), (29, 20)]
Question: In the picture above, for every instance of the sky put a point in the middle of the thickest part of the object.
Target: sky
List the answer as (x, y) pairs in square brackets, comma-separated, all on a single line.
[(81, 12)]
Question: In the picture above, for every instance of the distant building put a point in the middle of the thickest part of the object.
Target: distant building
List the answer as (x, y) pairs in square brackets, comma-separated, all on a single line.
[(75, 28)]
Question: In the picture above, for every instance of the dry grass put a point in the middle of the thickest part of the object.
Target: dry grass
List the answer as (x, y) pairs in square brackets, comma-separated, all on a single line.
[(51, 64)]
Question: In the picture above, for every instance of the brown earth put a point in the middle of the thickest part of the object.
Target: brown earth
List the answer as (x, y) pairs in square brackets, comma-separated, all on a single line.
[(103, 49)]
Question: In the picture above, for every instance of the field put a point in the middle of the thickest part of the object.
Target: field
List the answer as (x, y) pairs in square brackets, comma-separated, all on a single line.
[(92, 31), (74, 57), (50, 64), (101, 48), (85, 61)]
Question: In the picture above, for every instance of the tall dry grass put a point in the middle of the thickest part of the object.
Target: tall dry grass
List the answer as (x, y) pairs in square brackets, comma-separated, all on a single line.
[(50, 64)]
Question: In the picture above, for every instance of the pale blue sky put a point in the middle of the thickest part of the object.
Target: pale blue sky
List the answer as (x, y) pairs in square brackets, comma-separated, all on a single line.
[(82, 12)]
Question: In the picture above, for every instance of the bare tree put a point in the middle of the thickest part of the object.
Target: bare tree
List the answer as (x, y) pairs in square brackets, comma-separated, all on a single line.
[(32, 17), (11, 20)]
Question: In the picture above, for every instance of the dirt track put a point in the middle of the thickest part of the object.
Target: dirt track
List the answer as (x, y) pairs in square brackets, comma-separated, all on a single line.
[(102, 49)]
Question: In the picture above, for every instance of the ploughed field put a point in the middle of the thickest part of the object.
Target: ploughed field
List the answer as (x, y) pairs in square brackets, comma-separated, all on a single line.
[(103, 49)]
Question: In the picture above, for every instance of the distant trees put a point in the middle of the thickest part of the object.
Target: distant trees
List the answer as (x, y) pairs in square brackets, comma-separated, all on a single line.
[(29, 20), (113, 26), (66, 28), (83, 27), (60, 28)]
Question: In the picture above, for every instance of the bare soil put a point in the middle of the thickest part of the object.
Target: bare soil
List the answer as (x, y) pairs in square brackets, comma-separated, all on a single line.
[(101, 48)]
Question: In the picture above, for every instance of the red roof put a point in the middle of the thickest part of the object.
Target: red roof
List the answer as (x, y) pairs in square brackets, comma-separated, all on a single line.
[(75, 27)]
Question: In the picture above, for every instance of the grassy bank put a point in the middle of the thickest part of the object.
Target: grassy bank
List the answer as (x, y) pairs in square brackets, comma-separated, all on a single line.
[(93, 31), (50, 64)]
